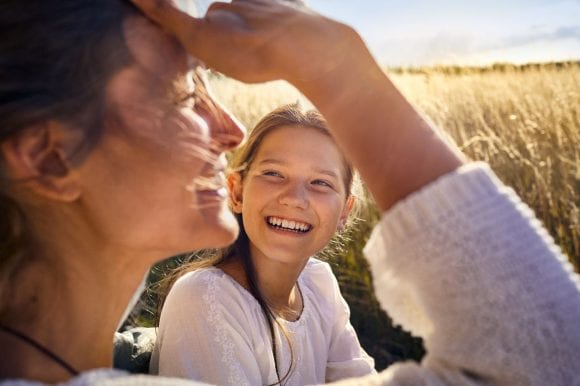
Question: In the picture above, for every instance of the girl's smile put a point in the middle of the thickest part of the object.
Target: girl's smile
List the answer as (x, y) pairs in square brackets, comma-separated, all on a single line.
[(286, 225), (291, 201)]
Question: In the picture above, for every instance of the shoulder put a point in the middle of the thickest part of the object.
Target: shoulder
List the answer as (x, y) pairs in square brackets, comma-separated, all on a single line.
[(318, 273), (320, 286), (316, 267), (209, 283), (208, 289), (197, 279)]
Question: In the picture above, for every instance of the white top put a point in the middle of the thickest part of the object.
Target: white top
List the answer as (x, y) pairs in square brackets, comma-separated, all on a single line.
[(213, 330), (464, 264), (109, 377)]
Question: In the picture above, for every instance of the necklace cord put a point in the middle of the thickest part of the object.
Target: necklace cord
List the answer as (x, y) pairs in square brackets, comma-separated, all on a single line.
[(39, 347)]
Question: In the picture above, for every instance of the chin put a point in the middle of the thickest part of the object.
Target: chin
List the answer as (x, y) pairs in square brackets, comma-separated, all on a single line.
[(223, 231)]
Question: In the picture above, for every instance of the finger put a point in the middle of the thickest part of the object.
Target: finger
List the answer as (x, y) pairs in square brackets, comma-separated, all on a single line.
[(227, 16)]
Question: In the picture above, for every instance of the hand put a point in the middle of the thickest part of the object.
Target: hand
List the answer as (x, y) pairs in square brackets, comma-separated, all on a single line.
[(259, 40)]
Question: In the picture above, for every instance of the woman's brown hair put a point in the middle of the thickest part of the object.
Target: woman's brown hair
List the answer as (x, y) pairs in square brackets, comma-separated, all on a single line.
[(56, 58)]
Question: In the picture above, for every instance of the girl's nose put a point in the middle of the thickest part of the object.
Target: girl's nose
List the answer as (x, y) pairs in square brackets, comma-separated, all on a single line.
[(294, 195)]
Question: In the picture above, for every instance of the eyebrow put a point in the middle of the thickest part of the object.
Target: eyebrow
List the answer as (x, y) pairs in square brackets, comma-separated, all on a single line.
[(274, 161)]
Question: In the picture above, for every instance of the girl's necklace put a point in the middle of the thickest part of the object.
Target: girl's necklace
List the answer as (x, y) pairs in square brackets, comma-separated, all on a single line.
[(39, 347)]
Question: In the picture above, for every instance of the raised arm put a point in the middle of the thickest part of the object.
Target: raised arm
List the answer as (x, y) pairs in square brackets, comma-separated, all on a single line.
[(390, 144)]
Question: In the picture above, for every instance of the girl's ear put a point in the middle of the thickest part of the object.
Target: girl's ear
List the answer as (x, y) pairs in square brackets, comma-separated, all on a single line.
[(345, 212), (36, 158), (235, 191)]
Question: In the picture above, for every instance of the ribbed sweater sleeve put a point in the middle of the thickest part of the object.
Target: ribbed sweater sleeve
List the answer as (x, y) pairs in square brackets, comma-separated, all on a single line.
[(464, 264)]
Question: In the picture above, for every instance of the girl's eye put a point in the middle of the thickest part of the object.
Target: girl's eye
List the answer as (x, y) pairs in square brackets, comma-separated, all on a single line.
[(323, 183), (271, 173)]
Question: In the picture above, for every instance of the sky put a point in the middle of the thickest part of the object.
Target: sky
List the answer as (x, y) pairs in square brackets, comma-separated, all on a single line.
[(462, 32), (469, 32)]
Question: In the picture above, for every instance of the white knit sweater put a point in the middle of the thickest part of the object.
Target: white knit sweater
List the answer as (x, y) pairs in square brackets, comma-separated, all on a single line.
[(464, 264)]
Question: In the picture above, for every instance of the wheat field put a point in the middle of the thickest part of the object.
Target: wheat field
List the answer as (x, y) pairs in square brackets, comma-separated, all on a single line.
[(524, 121)]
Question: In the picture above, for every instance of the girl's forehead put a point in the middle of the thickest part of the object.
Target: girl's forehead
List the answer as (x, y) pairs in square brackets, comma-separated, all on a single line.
[(292, 137), (299, 144)]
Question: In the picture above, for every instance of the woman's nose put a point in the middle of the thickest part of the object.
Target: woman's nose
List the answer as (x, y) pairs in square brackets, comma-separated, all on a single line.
[(226, 130)]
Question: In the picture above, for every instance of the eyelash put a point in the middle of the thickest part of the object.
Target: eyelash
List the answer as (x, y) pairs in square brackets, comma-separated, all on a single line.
[(198, 95), (189, 101)]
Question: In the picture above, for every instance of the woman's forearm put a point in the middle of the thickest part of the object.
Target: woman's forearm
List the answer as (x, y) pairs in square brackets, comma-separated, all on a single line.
[(393, 147), (395, 150)]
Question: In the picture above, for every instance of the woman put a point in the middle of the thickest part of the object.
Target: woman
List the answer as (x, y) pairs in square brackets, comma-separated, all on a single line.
[(111, 161), (263, 311)]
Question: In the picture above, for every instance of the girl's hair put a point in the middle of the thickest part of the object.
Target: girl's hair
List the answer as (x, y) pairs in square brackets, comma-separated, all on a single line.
[(240, 162), (287, 115), (56, 58)]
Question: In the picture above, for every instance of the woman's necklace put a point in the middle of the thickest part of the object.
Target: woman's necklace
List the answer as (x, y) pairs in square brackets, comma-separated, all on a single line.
[(31, 342)]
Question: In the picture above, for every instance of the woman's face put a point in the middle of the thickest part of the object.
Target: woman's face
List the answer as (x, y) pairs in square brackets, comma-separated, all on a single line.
[(154, 183), (293, 195)]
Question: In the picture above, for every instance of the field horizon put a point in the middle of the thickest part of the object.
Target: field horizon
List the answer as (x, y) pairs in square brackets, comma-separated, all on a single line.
[(495, 66)]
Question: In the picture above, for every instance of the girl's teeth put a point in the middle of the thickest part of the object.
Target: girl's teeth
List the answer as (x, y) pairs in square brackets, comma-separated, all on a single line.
[(288, 224)]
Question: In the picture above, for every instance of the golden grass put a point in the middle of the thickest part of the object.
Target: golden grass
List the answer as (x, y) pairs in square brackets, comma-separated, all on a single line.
[(524, 122)]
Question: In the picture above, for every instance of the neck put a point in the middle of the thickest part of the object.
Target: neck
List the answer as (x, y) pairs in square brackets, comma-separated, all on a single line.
[(70, 309), (278, 285), (277, 282)]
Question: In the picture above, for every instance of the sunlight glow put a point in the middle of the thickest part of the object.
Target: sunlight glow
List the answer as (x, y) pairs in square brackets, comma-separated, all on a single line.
[(421, 32)]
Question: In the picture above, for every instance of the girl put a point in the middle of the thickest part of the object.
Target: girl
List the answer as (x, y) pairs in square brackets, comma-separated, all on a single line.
[(263, 311)]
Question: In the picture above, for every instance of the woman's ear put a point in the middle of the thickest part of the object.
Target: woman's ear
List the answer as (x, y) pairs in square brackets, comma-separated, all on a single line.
[(36, 158), (235, 191)]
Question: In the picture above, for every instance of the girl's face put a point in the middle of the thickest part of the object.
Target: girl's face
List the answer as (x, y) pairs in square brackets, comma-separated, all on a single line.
[(155, 182), (293, 195)]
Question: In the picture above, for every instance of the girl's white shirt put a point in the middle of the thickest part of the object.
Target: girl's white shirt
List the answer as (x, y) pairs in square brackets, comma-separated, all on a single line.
[(213, 330)]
